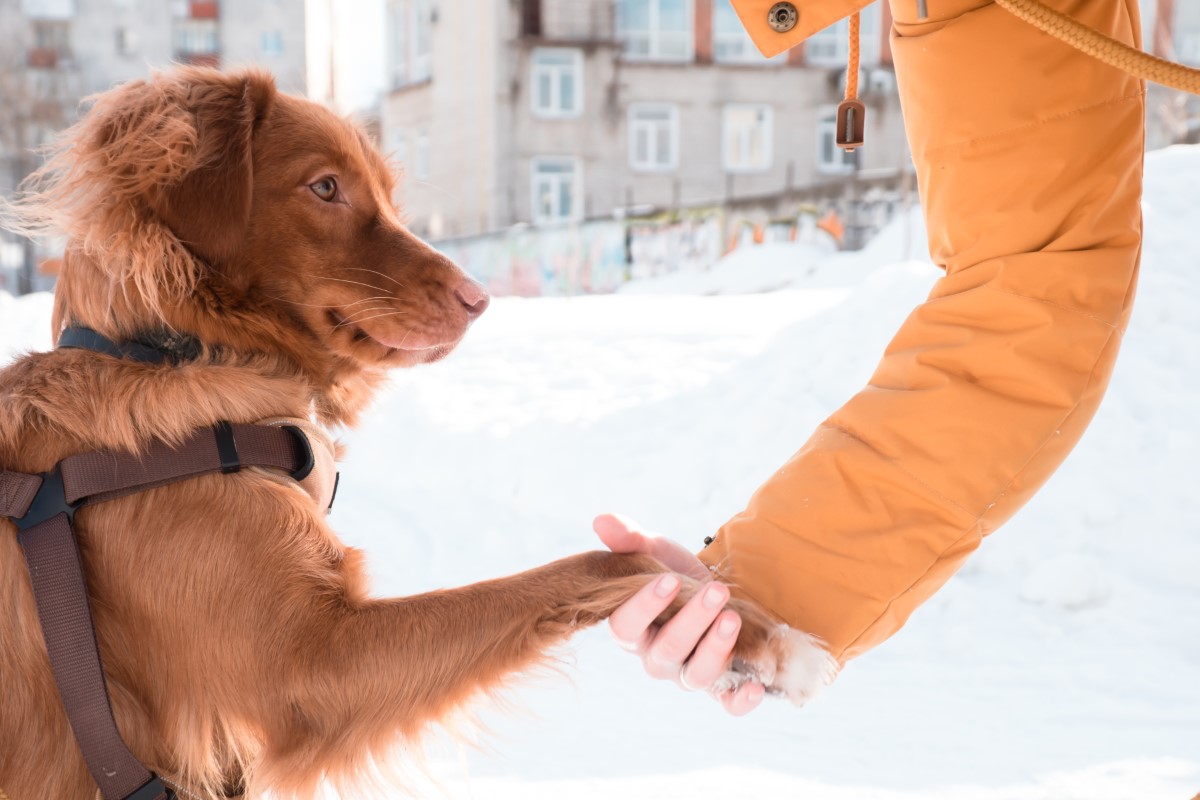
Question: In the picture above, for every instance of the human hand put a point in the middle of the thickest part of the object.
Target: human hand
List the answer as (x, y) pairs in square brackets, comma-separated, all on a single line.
[(694, 647)]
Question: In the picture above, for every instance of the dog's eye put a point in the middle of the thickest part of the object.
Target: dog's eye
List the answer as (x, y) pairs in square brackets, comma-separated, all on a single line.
[(326, 189)]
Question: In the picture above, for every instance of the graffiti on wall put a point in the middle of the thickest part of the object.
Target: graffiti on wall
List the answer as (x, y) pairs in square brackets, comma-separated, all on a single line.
[(597, 257), (546, 262), (667, 246)]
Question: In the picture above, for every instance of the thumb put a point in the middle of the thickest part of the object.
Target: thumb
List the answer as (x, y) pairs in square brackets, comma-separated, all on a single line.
[(623, 535), (620, 534)]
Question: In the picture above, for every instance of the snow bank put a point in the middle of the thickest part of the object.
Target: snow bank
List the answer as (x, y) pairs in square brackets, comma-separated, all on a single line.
[(24, 323), (1061, 663)]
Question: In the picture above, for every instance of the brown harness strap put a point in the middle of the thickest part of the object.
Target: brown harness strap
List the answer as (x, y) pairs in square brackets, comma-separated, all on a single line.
[(43, 508)]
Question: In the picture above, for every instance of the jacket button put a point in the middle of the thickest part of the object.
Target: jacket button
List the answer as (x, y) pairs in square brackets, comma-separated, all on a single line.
[(782, 17)]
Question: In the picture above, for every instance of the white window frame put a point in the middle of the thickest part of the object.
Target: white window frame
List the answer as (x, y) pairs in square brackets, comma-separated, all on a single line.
[(1186, 45), (635, 125), (830, 46), (399, 149), (654, 34), (421, 156), (768, 137), (271, 43), (576, 177), (737, 39), (556, 73), (843, 162), (398, 44), (421, 33), (196, 37)]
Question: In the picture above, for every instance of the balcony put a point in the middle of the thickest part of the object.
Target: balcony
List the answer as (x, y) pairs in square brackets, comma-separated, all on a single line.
[(574, 21), (42, 58), (203, 10)]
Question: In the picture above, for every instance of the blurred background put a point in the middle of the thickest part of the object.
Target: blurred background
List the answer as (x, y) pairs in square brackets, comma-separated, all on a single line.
[(551, 146), (689, 278)]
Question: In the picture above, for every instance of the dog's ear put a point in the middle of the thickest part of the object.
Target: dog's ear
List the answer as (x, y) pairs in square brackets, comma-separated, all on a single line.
[(207, 207)]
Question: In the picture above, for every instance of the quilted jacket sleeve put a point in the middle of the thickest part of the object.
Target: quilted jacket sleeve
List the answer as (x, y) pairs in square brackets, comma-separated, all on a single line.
[(1029, 160)]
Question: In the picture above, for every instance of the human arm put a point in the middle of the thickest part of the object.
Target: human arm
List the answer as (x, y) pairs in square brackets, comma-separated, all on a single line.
[(1028, 158)]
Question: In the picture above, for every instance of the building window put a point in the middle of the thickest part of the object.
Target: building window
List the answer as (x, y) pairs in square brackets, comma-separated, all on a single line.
[(653, 137), (655, 30), (731, 43), (127, 41), (746, 137), (409, 41), (421, 157), (195, 37), (400, 148), (48, 9), (555, 190), (1187, 46), (51, 44), (397, 45), (557, 81), (271, 43), (422, 39), (830, 157), (830, 47)]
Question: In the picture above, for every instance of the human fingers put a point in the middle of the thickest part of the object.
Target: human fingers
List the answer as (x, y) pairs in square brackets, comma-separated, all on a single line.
[(675, 641), (745, 699), (632, 624), (622, 535), (711, 657)]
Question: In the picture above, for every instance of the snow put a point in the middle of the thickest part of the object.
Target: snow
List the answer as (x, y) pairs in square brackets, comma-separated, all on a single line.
[(1061, 663)]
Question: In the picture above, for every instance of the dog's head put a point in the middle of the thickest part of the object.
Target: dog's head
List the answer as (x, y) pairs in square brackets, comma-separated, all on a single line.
[(210, 204)]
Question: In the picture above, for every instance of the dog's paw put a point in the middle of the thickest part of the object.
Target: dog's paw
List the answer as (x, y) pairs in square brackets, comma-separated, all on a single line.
[(786, 661)]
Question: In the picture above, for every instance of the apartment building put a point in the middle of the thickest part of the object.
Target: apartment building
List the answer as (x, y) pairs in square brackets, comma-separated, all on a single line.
[(110, 41), (56, 52), (546, 111)]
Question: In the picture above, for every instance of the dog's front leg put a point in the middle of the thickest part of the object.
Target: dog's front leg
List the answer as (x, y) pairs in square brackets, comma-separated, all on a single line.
[(372, 672)]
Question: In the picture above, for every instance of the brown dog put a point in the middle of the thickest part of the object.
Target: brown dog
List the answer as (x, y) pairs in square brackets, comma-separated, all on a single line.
[(241, 650)]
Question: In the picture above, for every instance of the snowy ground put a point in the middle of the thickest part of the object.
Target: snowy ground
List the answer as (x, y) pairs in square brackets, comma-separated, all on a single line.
[(1061, 663)]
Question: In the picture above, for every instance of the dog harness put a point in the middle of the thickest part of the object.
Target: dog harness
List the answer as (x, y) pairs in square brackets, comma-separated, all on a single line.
[(43, 508)]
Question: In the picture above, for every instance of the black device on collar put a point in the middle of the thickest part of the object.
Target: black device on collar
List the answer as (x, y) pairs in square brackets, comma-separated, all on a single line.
[(152, 348)]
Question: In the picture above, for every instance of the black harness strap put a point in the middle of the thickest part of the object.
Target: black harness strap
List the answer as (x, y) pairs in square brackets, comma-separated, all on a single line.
[(161, 348), (43, 509)]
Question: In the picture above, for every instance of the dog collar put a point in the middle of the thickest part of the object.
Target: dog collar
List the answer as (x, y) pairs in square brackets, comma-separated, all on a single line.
[(152, 348)]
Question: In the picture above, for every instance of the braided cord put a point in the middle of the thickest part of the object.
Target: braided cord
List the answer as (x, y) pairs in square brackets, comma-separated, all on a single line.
[(852, 66), (1103, 48)]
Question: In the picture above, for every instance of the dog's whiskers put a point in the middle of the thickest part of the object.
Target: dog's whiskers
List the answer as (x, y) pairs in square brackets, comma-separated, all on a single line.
[(355, 283), (357, 316), (378, 316), (350, 319), (324, 305), (380, 274)]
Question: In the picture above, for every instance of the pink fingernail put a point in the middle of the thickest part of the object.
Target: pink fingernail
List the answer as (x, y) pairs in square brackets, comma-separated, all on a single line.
[(666, 585), (727, 627), (715, 595)]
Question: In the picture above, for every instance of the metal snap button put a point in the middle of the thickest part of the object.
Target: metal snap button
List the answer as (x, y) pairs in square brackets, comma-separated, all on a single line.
[(782, 17)]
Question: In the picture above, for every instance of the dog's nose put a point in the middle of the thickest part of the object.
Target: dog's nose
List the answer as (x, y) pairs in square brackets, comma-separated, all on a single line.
[(473, 297)]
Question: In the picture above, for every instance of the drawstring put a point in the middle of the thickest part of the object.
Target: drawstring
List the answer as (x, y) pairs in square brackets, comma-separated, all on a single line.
[(851, 113), (852, 63), (1128, 59)]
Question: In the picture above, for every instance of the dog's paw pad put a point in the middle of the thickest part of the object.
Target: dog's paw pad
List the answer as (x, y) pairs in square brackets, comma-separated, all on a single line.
[(793, 664)]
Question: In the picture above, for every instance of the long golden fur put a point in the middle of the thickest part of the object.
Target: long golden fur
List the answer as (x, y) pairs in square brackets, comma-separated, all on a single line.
[(241, 649)]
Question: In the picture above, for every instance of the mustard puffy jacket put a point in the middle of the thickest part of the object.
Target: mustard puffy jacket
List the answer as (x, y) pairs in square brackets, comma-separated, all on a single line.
[(1029, 163)]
